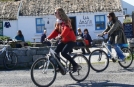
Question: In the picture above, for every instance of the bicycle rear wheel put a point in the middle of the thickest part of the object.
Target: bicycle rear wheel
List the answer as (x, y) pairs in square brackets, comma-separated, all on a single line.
[(83, 70), (11, 61), (98, 60), (128, 60), (43, 72)]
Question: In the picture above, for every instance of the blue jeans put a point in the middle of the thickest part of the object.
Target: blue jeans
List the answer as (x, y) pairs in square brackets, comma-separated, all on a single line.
[(117, 49), (109, 47)]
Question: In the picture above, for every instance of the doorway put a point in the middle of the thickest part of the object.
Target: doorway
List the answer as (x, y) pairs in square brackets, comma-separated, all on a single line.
[(73, 22), (1, 28)]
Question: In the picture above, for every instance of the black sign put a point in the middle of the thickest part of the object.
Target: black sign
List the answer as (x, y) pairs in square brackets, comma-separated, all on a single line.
[(128, 30)]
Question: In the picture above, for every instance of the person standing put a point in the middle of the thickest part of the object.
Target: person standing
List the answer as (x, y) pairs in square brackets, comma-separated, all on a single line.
[(87, 38)]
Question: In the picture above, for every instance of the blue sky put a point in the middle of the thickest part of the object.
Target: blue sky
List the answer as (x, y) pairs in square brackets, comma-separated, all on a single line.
[(129, 1)]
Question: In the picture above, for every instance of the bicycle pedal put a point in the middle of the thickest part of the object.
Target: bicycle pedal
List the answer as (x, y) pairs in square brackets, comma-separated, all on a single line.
[(40, 66), (9, 59), (113, 60), (62, 72)]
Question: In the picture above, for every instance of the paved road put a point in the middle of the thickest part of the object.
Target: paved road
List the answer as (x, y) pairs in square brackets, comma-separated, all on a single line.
[(113, 76)]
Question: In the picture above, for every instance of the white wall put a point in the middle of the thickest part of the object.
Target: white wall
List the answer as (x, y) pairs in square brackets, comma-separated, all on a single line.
[(11, 31), (28, 25)]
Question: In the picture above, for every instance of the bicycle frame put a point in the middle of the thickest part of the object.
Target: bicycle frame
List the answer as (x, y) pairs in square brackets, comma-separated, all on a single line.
[(55, 56), (105, 45), (4, 49)]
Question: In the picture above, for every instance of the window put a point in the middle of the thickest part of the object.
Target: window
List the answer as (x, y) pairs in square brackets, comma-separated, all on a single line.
[(40, 25), (124, 11), (99, 22)]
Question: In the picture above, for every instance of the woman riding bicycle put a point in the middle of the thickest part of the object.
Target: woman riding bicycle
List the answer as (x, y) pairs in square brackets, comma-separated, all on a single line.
[(116, 35), (68, 38)]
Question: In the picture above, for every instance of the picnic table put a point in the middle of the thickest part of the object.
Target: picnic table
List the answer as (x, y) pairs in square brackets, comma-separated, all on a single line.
[(36, 44), (35, 38), (13, 43)]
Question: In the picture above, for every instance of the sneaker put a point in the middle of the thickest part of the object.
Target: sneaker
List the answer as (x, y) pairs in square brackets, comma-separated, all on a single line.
[(122, 59), (114, 60)]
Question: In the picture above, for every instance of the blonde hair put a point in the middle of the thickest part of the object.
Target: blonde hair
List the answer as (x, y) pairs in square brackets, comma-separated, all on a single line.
[(79, 29), (64, 17)]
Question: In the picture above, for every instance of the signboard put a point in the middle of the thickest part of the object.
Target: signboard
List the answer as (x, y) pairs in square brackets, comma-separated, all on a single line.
[(85, 21), (128, 30), (1, 28)]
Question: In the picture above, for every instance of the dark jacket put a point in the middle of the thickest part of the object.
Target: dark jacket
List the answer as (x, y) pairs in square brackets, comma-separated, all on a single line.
[(87, 37), (19, 38), (80, 35), (116, 33), (42, 38)]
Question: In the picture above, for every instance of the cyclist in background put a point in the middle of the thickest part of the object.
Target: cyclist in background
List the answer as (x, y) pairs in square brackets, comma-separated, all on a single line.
[(116, 35)]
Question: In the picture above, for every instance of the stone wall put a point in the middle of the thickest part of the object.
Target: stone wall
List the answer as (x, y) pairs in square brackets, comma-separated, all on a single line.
[(26, 56)]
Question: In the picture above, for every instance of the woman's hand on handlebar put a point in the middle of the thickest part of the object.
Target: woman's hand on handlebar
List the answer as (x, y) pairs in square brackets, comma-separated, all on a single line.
[(58, 37), (46, 39), (100, 35), (105, 33)]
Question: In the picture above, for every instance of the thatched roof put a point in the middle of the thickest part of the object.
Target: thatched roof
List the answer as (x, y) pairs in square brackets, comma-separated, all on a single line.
[(8, 10), (42, 7)]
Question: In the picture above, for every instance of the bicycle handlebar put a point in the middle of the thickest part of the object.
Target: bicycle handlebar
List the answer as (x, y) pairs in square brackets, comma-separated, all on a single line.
[(104, 36), (52, 41)]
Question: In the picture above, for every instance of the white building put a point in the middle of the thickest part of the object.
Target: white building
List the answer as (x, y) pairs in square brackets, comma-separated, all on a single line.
[(33, 18), (128, 6)]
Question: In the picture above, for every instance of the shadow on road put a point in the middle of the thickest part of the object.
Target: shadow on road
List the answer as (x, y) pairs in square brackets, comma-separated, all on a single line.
[(131, 69), (91, 83)]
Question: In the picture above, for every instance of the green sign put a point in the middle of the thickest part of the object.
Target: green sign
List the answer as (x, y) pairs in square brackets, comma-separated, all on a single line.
[(1, 28)]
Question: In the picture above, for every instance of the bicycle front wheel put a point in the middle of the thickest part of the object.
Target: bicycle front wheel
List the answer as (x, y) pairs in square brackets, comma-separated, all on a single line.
[(10, 61), (98, 60), (43, 72), (83, 70), (129, 58)]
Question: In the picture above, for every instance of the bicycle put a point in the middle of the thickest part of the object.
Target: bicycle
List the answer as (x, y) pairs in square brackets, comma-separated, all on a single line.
[(10, 60), (44, 70), (99, 59)]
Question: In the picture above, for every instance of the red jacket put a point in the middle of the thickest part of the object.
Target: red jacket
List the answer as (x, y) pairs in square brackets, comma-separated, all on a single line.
[(67, 34)]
